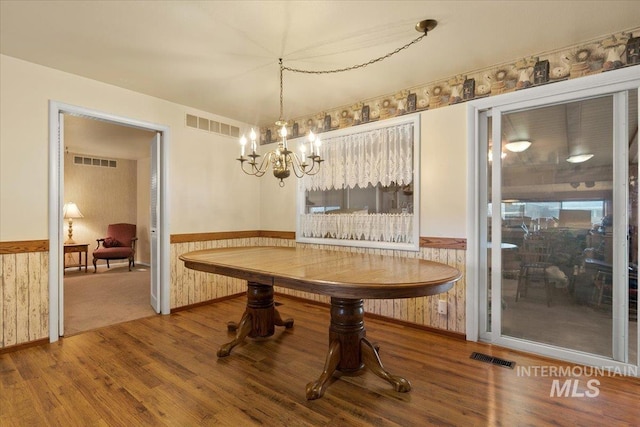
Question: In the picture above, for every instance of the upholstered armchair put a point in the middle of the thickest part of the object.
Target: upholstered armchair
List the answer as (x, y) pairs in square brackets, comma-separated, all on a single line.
[(120, 243)]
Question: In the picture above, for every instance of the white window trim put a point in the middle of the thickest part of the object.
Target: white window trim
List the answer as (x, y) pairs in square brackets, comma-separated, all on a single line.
[(415, 244)]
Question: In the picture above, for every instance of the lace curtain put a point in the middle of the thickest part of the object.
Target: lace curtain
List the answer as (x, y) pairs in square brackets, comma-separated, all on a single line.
[(370, 227), (382, 156)]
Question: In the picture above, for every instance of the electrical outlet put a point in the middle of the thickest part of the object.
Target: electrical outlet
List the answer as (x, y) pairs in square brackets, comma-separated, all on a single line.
[(442, 307)]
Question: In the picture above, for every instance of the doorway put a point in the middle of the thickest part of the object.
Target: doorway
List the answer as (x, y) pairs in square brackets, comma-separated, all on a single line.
[(107, 177), (563, 281), (555, 236), (158, 231)]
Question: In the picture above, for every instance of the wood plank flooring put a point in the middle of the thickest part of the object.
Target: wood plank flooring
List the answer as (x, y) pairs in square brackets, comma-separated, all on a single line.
[(163, 370)]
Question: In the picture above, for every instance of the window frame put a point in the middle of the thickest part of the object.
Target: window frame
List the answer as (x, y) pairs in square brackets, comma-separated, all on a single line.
[(414, 119)]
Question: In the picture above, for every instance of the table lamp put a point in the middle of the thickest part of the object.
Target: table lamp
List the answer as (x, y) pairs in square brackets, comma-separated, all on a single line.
[(70, 212)]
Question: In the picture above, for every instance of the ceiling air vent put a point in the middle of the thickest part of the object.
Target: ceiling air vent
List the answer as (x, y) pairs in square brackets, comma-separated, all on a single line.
[(207, 125), (94, 161)]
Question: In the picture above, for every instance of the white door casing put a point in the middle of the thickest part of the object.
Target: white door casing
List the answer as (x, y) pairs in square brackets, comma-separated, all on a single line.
[(154, 217), (606, 83), (56, 194)]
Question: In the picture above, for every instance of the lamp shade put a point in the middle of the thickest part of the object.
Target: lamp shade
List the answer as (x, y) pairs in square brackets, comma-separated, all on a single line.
[(71, 211)]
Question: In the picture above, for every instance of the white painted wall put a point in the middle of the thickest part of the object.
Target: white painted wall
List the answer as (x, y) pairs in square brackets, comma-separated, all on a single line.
[(206, 189), (277, 204), (443, 163)]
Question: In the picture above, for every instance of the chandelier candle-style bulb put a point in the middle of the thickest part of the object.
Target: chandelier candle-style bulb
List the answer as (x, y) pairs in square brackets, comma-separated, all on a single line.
[(253, 137), (317, 143), (312, 138), (243, 143)]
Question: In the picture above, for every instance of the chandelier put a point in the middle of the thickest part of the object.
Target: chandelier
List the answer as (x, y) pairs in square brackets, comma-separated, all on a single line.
[(282, 160)]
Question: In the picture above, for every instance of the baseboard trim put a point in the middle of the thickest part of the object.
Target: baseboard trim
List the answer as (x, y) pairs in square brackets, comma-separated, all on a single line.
[(451, 334), (22, 346), (207, 302)]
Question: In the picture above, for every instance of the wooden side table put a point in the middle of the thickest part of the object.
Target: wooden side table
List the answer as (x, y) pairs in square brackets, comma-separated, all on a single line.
[(79, 248)]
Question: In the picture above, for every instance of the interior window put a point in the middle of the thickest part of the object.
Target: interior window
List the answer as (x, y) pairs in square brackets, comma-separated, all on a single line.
[(365, 194)]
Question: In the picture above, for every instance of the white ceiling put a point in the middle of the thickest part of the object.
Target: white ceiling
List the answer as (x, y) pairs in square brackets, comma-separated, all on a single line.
[(222, 56), (103, 139)]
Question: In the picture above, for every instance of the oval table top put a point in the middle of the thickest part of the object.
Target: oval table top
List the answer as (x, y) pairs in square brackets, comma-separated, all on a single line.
[(334, 273)]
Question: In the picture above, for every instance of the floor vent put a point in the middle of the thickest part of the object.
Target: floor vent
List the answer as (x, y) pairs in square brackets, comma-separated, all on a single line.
[(493, 360)]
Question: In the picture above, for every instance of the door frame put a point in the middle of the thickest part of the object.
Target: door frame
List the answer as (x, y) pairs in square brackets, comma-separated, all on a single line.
[(609, 82), (56, 200)]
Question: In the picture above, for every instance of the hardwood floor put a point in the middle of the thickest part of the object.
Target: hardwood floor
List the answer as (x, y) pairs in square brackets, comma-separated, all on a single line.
[(163, 370)]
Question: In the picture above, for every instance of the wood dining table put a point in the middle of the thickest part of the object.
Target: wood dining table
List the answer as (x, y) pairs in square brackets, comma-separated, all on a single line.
[(346, 277)]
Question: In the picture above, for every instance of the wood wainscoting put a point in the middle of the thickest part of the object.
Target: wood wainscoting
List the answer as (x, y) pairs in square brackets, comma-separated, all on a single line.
[(24, 292), (192, 287), (24, 286)]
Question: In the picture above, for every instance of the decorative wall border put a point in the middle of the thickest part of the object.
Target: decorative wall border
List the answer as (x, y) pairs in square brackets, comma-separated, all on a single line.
[(600, 55)]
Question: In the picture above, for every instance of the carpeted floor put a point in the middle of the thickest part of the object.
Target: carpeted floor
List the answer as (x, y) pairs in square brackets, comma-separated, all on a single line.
[(107, 297)]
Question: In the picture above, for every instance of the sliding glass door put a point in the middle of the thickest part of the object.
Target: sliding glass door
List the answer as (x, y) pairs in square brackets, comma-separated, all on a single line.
[(558, 225)]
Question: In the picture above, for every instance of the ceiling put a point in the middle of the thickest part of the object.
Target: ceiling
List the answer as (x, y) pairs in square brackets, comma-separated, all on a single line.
[(104, 139), (222, 56)]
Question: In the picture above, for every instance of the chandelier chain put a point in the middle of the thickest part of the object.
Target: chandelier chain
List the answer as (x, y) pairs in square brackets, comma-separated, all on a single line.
[(282, 160), (281, 89), (353, 67)]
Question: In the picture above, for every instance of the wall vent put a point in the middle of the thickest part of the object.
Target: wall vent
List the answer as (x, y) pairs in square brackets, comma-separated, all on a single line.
[(94, 161), (207, 125)]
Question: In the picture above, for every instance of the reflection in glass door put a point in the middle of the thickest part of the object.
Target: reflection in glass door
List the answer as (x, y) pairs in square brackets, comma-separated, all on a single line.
[(561, 282)]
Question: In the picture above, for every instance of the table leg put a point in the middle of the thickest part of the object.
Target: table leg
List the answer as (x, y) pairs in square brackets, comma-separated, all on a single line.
[(315, 389), (259, 319), (243, 329), (349, 349), (372, 361)]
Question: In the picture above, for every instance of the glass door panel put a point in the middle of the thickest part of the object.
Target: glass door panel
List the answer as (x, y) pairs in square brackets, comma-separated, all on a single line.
[(556, 225)]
